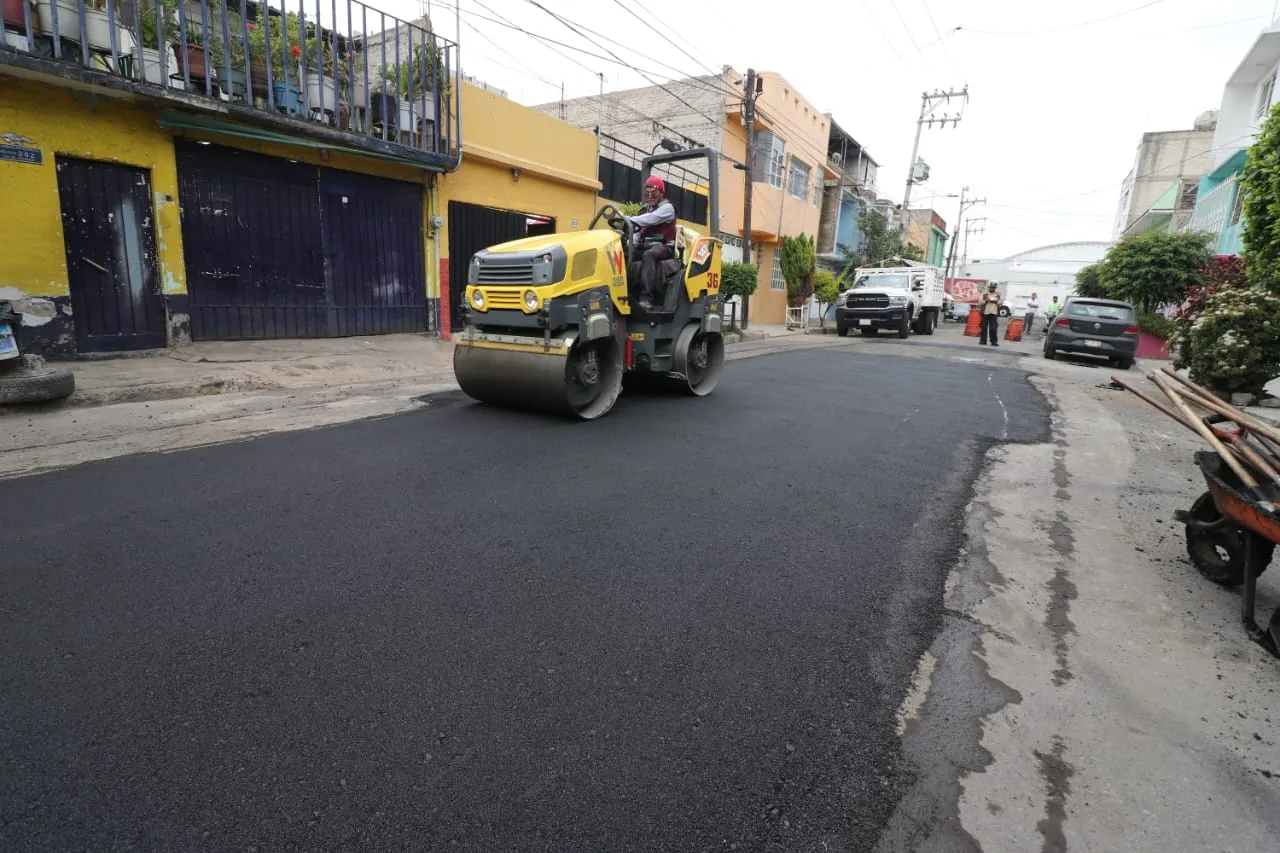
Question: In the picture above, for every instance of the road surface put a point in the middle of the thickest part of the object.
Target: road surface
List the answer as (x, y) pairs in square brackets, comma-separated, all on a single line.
[(688, 626)]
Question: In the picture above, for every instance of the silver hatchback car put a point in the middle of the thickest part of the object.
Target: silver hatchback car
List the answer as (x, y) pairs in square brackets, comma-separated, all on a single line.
[(1099, 327)]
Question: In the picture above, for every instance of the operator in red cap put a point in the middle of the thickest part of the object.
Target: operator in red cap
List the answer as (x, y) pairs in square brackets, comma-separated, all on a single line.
[(656, 235)]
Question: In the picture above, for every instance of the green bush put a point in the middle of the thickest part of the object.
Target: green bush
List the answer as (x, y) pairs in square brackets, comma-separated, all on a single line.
[(738, 279), (1156, 324), (1235, 343)]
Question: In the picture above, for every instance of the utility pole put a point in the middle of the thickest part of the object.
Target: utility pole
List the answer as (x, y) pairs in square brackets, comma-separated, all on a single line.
[(970, 229), (751, 90), (928, 103), (965, 203)]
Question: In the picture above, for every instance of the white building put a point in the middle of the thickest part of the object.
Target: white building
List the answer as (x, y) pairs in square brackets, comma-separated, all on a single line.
[(1247, 99), (1160, 190), (1046, 270)]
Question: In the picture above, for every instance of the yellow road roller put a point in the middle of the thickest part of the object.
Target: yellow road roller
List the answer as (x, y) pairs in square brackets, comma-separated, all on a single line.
[(554, 322)]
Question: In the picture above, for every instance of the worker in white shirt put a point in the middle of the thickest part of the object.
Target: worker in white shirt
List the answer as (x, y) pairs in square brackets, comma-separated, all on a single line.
[(1029, 319)]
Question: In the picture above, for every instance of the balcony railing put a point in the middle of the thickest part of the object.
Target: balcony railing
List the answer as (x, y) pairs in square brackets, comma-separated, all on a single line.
[(338, 63)]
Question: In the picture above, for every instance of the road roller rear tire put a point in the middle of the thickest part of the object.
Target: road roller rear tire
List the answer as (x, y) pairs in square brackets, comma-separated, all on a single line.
[(585, 384), (698, 360)]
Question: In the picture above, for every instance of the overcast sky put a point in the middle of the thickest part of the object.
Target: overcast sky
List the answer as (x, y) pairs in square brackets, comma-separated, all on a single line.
[(1059, 98)]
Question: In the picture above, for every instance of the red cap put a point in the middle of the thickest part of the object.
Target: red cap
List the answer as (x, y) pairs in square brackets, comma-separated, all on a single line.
[(656, 182)]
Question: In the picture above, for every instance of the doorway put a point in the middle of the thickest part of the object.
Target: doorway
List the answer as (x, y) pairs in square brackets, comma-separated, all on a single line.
[(472, 228), (108, 231)]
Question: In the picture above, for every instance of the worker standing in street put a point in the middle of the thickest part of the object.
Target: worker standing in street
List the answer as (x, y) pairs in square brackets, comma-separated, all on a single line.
[(990, 306), (1029, 319), (1051, 312)]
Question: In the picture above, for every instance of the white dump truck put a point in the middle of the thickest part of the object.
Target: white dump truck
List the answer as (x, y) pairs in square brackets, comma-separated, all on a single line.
[(903, 299)]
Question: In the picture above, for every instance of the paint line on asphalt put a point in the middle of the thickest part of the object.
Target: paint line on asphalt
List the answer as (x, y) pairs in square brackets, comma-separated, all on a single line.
[(1004, 431)]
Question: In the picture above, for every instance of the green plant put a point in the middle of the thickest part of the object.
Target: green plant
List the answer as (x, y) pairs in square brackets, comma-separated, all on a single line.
[(290, 42), (826, 289), (797, 255), (153, 31), (1223, 273), (1155, 268), (1260, 185), (1155, 324), (631, 208), (1089, 282), (1235, 343), (738, 279)]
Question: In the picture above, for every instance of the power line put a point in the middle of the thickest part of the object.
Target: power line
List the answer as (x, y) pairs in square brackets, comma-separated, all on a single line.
[(946, 52), (647, 77), (660, 33), (1074, 26), (903, 21), (510, 23), (527, 68)]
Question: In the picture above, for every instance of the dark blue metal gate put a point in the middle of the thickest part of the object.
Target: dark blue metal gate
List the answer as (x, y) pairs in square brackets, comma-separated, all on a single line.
[(376, 261), (109, 233), (276, 249), (472, 228)]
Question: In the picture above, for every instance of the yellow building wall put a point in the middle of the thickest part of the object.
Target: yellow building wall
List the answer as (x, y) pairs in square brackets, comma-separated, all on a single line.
[(515, 158), (33, 262), (33, 268)]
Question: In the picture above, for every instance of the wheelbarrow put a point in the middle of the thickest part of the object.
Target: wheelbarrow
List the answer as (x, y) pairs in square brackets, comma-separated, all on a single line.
[(1232, 531)]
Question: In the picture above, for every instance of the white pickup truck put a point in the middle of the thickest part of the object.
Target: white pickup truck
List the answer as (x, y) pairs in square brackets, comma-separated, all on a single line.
[(901, 299)]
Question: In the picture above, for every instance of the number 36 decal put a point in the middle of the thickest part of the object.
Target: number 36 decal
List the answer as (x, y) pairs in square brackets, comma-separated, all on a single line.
[(713, 281)]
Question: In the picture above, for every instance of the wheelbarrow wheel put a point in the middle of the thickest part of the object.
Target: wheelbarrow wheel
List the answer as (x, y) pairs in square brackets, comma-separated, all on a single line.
[(1219, 554)]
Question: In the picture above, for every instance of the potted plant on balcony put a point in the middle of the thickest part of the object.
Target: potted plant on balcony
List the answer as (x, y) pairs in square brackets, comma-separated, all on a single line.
[(68, 19), (152, 33), (199, 45), (418, 78), (12, 13), (383, 104), (320, 83), (98, 26), (285, 41)]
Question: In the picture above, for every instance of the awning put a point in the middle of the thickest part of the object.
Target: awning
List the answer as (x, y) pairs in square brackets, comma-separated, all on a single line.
[(205, 124)]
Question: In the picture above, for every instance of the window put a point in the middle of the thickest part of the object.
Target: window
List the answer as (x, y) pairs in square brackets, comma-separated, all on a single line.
[(1264, 96), (798, 182), (776, 280), (768, 159)]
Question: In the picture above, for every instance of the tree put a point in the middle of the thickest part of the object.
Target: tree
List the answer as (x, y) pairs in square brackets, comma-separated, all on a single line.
[(911, 252), (1089, 282), (797, 255), (826, 289), (738, 279), (1155, 268), (881, 244), (1260, 186)]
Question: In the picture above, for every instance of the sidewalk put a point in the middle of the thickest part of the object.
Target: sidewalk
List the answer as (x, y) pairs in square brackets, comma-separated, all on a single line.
[(225, 367)]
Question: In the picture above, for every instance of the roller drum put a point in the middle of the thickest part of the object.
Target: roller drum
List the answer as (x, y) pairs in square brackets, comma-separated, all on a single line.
[(585, 384)]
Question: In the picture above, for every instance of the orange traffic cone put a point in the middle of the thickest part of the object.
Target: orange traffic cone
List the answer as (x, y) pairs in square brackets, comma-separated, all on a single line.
[(973, 325)]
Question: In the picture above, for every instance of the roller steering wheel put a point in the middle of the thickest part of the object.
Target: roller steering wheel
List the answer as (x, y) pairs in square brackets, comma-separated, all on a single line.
[(615, 220)]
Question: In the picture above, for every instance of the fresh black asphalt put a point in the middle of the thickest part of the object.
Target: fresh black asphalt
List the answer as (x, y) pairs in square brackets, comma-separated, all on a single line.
[(685, 627)]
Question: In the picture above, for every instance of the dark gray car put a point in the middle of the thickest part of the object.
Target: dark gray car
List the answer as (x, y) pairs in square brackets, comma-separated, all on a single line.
[(1099, 327)]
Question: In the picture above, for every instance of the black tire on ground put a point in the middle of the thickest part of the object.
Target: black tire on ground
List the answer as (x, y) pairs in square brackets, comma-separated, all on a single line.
[(1219, 555), (1050, 353), (870, 331), (35, 382), (842, 331), (1124, 363), (928, 322), (1005, 312), (905, 329)]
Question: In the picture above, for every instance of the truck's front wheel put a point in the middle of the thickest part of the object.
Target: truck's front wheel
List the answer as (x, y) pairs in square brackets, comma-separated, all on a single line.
[(842, 331), (905, 329)]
